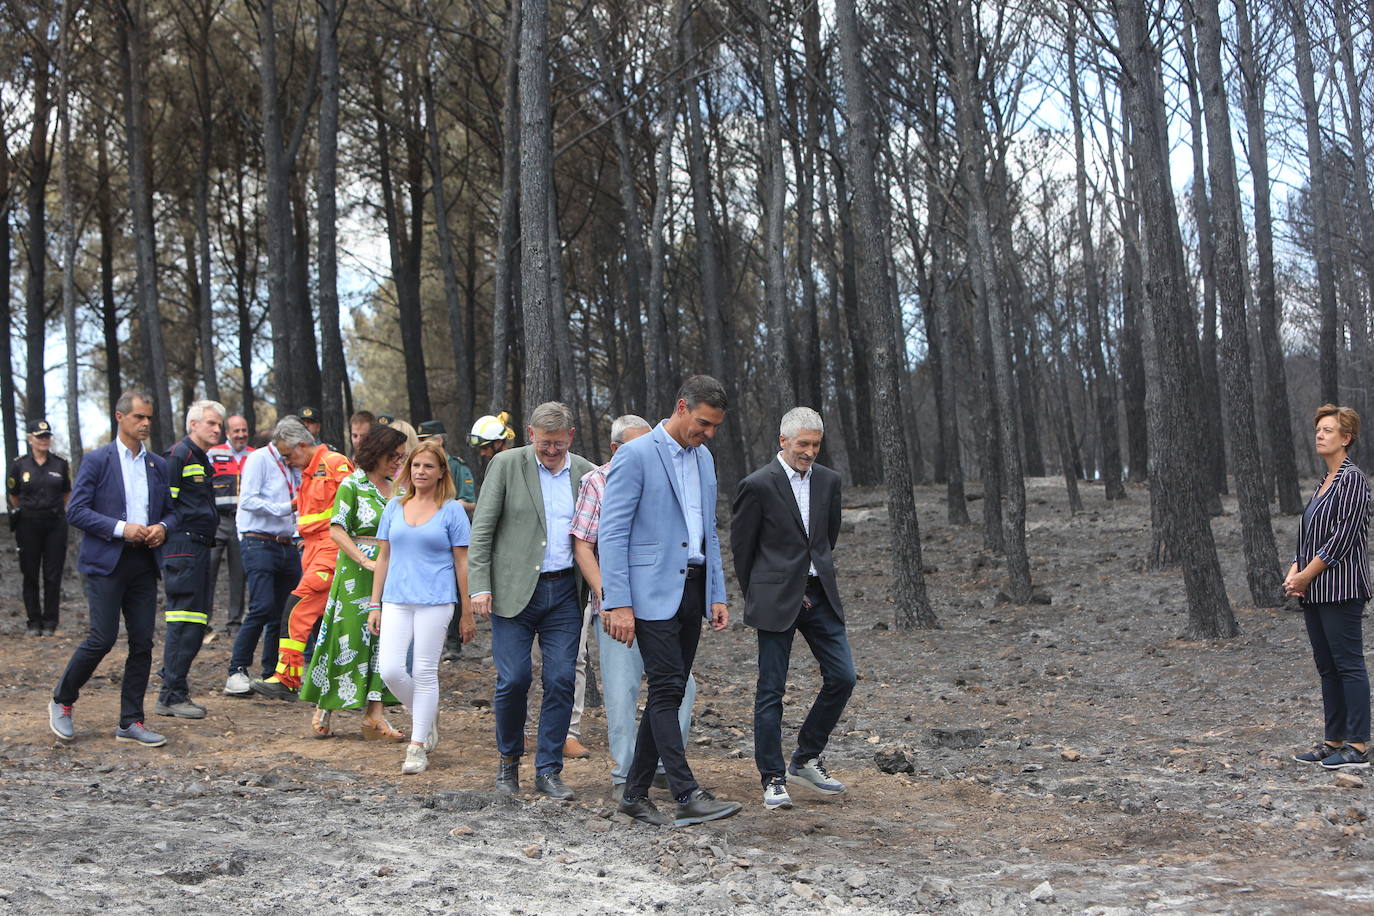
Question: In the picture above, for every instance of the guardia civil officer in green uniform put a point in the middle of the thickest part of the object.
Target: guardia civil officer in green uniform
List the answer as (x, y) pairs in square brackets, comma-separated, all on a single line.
[(186, 567), (39, 485)]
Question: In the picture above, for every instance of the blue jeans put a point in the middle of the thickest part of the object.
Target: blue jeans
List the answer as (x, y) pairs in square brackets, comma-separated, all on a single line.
[(130, 588), (272, 570), (554, 616), (622, 667), (824, 632), (1335, 630)]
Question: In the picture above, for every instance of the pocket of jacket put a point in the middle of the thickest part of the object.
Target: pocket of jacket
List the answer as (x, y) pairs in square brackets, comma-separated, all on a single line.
[(643, 559)]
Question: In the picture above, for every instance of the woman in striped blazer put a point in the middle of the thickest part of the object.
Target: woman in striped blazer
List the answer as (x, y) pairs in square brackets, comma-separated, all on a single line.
[(1330, 575)]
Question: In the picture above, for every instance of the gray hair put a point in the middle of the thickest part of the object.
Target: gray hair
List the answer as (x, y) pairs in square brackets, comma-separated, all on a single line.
[(126, 400), (628, 422), (552, 416), (291, 432), (798, 419), (197, 412)]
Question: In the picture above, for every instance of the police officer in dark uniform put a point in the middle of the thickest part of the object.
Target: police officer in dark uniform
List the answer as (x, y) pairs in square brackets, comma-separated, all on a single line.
[(39, 485), (186, 567)]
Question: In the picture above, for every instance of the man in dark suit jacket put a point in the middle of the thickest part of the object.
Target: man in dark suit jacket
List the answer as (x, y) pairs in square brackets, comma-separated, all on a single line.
[(122, 503), (785, 525)]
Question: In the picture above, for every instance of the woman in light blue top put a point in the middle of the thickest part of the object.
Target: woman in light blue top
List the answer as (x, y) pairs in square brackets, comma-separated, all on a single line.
[(422, 569)]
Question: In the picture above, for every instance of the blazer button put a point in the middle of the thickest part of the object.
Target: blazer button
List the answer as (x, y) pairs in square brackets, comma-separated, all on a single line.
[(684, 543), (682, 572)]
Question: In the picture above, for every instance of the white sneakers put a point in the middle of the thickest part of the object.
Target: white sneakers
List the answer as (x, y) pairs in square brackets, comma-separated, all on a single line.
[(416, 760), (775, 797), (239, 684)]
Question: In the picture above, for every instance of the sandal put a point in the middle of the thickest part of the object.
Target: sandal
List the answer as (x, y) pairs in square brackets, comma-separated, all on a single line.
[(382, 732), (320, 723)]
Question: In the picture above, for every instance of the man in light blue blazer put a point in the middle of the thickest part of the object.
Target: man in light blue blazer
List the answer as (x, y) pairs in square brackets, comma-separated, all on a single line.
[(661, 576)]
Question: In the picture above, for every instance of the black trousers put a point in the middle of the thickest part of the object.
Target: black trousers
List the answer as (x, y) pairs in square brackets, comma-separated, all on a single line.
[(668, 648), (186, 577), (42, 542), (131, 589)]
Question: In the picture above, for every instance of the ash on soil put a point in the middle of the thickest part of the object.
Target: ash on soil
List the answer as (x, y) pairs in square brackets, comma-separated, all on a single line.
[(1065, 757)]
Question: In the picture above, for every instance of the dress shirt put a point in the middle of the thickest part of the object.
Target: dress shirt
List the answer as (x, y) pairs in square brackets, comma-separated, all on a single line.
[(801, 491), (558, 514), (266, 489), (134, 469), (587, 515), (689, 482)]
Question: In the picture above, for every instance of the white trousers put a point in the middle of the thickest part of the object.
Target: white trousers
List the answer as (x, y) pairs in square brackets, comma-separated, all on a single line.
[(425, 625)]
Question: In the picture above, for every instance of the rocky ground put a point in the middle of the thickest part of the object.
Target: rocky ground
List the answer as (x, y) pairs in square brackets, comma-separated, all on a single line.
[(1066, 757)]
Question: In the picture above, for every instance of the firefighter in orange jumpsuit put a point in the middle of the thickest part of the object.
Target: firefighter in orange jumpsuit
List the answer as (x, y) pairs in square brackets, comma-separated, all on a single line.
[(319, 554)]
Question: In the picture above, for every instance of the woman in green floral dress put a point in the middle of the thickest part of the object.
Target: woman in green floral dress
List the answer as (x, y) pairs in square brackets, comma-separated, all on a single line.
[(343, 673)]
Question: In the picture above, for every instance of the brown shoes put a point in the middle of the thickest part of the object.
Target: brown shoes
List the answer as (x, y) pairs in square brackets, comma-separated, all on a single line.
[(574, 748)]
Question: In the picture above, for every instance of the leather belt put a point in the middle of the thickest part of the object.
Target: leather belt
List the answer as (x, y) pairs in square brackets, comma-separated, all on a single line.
[(274, 538), (557, 573), (696, 570)]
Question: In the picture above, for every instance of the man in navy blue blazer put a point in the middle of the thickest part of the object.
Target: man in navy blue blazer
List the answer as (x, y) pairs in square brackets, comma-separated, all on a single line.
[(122, 503), (661, 576)]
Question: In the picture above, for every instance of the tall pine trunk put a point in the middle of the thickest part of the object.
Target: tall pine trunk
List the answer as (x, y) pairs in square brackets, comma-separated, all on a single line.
[(1261, 554), (1175, 473), (908, 572)]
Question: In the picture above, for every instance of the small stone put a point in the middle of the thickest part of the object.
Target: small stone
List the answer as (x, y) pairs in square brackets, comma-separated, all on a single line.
[(856, 879), (1071, 755), (462, 830), (533, 851), (804, 891), (598, 825), (1348, 781), (160, 846), (1043, 893), (384, 871), (895, 758), (1266, 802)]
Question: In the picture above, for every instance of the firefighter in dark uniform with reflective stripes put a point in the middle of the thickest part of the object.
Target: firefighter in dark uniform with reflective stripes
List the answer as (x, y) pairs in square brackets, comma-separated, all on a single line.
[(39, 485), (186, 559)]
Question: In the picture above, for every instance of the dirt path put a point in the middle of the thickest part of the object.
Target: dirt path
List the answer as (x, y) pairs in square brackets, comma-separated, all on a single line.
[(1077, 743)]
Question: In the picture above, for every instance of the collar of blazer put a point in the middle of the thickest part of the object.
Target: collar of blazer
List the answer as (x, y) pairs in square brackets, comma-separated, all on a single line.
[(663, 444), (1346, 465), (530, 471)]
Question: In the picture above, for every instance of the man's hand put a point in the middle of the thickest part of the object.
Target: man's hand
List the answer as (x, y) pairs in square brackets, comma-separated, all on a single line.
[(720, 616), (481, 605), (156, 535), (135, 534), (620, 624), (467, 627)]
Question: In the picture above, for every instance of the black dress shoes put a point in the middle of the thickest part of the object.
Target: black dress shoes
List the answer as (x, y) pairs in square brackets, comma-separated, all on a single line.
[(701, 806), (551, 784), (643, 810), (508, 775)]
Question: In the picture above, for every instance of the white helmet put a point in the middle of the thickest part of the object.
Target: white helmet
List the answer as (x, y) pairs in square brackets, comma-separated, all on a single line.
[(491, 429)]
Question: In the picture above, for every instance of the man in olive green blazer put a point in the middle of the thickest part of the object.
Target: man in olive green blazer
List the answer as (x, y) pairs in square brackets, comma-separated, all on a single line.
[(521, 575)]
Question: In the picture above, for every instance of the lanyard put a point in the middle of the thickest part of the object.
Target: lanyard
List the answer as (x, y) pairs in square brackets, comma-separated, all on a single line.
[(281, 466)]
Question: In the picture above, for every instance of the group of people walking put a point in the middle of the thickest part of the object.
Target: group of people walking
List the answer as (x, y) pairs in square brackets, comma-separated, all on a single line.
[(357, 570), (360, 570)]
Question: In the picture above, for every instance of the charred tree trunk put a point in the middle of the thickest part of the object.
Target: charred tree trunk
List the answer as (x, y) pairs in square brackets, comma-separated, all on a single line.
[(508, 230), (40, 167), (1184, 519), (536, 187), (332, 368), (1261, 554), (1328, 346), (8, 414), (132, 25), (908, 572), (64, 114)]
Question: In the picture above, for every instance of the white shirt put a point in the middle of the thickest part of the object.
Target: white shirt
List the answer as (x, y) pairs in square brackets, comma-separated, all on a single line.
[(801, 491), (134, 469), (266, 489)]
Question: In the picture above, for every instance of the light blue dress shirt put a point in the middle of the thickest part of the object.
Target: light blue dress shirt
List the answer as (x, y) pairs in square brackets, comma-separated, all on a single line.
[(689, 482), (134, 469), (558, 514), (266, 489)]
